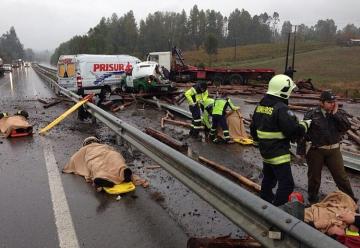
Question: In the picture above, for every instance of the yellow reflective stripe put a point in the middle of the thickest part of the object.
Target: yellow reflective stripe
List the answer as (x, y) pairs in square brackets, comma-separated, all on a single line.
[(352, 233), (304, 125), (278, 160), (270, 135)]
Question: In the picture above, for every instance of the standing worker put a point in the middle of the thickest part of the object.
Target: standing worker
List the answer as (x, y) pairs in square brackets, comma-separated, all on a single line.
[(219, 118), (328, 126), (273, 126), (194, 96)]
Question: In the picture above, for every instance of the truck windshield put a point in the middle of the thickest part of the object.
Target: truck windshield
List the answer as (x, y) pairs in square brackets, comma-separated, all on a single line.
[(66, 70), (154, 58)]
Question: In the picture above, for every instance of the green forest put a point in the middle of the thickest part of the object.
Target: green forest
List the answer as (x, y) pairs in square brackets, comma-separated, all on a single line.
[(12, 49), (206, 29)]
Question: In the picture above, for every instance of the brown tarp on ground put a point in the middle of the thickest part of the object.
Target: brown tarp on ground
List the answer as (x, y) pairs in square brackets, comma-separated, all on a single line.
[(235, 124), (8, 124), (324, 214), (97, 161)]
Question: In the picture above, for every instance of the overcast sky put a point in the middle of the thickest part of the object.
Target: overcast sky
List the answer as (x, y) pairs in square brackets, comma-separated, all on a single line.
[(44, 24)]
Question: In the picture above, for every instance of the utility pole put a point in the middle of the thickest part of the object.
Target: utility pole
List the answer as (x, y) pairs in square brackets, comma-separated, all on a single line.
[(287, 51), (235, 38), (293, 58)]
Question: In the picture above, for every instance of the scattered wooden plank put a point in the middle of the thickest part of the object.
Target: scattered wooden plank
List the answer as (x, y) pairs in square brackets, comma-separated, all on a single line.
[(42, 101), (121, 107), (222, 243), (176, 144), (353, 136), (52, 103), (241, 179), (180, 123)]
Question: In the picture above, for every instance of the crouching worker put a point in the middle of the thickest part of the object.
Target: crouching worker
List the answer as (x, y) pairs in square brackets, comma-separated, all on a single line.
[(16, 125), (99, 164), (219, 118)]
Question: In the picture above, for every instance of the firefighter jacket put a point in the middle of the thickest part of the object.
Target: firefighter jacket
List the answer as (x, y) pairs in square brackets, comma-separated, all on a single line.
[(325, 128), (220, 106), (194, 95), (273, 126)]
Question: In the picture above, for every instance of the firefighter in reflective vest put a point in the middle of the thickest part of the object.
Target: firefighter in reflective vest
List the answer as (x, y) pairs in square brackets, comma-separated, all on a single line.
[(194, 96), (273, 126), (219, 118)]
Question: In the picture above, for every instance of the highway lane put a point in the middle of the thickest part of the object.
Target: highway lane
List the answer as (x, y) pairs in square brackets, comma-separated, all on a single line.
[(41, 207)]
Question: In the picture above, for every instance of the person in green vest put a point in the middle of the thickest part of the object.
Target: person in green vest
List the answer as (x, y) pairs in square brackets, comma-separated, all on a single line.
[(219, 117), (194, 96)]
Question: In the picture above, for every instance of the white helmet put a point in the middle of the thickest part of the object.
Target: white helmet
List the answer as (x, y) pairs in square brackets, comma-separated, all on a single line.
[(281, 86)]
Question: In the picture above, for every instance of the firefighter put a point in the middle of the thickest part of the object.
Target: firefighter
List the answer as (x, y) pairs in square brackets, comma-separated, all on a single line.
[(273, 126), (194, 96), (219, 118)]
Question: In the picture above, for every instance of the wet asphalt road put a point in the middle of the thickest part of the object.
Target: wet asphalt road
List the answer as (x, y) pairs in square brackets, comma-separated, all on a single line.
[(40, 207), (163, 213)]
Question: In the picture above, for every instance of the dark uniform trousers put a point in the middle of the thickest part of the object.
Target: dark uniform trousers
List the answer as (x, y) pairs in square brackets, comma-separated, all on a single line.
[(280, 174), (316, 158), (219, 121), (196, 121)]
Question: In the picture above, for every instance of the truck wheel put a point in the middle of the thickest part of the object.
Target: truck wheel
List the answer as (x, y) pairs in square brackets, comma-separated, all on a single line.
[(218, 80), (236, 79), (123, 88), (105, 93)]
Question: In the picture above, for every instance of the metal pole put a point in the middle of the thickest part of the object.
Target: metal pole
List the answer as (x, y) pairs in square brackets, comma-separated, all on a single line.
[(235, 50), (287, 52), (293, 57)]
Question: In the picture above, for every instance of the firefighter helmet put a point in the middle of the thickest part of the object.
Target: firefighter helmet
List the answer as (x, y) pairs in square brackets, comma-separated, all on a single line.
[(89, 140), (281, 86), (23, 113)]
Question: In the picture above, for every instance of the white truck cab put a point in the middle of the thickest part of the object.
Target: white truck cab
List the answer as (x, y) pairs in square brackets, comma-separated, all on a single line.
[(90, 73), (146, 76), (162, 58)]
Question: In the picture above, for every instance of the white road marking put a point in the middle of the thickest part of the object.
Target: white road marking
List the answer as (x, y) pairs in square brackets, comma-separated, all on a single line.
[(63, 221)]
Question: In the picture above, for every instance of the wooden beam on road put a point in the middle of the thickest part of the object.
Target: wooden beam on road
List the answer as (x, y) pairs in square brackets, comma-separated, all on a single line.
[(176, 144)]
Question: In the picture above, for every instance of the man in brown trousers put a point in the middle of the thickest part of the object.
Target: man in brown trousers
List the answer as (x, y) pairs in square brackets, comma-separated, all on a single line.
[(328, 126)]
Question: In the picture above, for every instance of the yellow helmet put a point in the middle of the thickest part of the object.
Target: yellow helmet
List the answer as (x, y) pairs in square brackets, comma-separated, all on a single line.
[(281, 86)]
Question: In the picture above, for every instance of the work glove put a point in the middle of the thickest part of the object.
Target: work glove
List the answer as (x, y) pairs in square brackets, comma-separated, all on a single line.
[(306, 124)]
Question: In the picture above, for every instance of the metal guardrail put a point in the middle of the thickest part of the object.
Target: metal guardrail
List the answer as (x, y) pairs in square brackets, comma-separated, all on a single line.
[(249, 212)]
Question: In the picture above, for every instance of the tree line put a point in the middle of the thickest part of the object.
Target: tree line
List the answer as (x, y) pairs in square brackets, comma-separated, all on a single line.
[(207, 29), (12, 49)]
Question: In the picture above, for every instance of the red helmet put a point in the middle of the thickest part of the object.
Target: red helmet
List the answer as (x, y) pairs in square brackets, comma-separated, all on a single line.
[(296, 196)]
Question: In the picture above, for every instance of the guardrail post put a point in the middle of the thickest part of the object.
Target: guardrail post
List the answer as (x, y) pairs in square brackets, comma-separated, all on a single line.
[(119, 140)]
